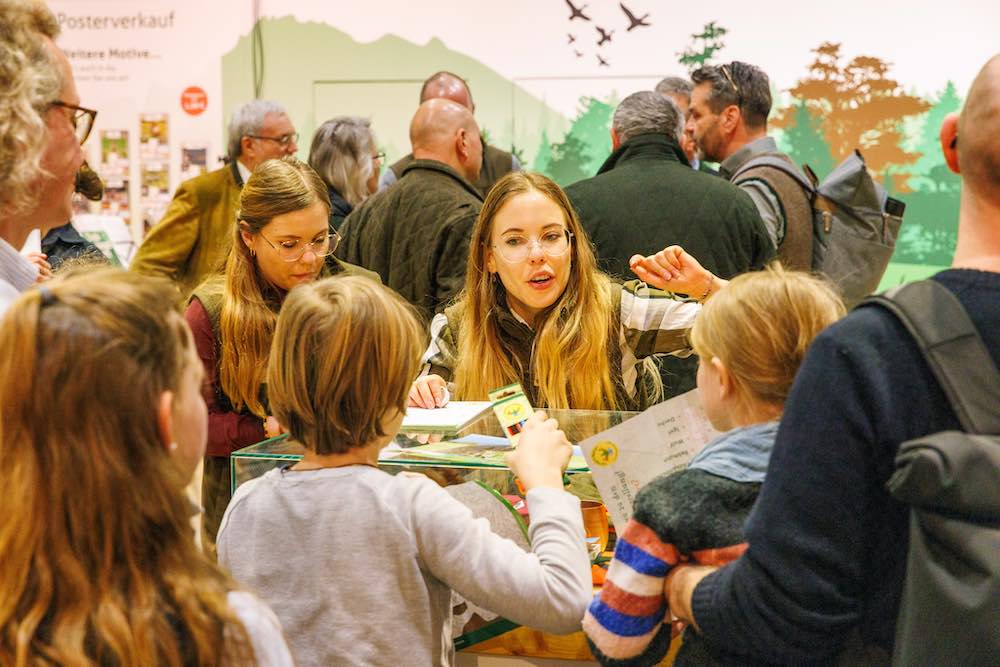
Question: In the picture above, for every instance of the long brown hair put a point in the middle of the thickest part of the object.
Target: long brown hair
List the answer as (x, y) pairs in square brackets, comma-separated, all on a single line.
[(249, 303), (572, 334), (98, 563)]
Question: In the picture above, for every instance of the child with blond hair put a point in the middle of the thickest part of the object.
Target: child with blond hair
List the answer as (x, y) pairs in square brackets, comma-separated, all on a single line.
[(359, 564), (751, 339)]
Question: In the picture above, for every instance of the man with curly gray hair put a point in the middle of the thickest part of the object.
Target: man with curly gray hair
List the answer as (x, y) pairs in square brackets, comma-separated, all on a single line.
[(41, 129)]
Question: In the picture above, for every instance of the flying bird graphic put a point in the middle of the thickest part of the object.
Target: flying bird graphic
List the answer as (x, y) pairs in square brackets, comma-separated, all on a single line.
[(633, 21), (579, 54), (601, 61), (572, 38), (577, 13), (605, 36)]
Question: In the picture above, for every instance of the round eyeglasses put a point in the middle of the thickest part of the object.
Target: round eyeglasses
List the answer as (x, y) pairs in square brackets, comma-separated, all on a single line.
[(517, 247), (292, 250)]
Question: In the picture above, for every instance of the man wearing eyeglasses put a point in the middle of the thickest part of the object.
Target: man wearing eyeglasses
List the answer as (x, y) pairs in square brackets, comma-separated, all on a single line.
[(194, 237), (40, 146), (728, 118)]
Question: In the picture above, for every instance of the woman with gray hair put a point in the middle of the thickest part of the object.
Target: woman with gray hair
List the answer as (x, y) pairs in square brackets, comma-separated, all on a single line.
[(344, 154)]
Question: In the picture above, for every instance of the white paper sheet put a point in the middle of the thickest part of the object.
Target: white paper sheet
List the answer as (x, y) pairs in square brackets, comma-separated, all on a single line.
[(451, 417), (662, 439)]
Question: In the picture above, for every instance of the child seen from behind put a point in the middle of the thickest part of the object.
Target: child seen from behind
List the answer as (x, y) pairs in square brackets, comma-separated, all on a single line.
[(751, 339)]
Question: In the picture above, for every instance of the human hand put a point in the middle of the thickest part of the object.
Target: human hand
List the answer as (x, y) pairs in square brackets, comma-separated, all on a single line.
[(675, 270), (428, 391), (40, 260), (678, 588), (542, 453), (272, 428)]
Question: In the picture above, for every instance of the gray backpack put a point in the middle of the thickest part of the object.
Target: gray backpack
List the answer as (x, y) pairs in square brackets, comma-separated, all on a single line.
[(950, 609), (854, 222)]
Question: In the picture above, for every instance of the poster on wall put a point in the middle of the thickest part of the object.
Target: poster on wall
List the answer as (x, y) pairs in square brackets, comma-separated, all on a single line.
[(154, 173), (194, 161), (114, 171)]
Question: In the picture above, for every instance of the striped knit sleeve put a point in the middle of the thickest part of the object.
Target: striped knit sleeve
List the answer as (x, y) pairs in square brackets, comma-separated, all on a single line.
[(654, 321), (628, 622)]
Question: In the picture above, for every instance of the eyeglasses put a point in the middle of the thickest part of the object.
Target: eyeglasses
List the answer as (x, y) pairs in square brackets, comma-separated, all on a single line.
[(729, 77), (292, 251), (517, 247), (284, 139), (380, 156), (80, 118)]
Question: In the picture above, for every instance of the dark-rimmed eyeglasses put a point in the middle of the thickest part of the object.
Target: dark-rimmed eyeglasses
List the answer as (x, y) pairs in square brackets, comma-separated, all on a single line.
[(293, 250), (284, 139), (517, 247), (81, 118)]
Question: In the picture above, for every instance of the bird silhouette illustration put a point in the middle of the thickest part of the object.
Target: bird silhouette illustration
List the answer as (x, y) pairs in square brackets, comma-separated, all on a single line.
[(579, 54), (577, 13), (633, 21), (605, 35), (601, 61), (572, 38)]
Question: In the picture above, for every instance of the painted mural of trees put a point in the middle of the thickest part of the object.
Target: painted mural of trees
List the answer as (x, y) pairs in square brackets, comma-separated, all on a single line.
[(930, 171), (703, 47), (859, 106), (804, 142), (584, 148)]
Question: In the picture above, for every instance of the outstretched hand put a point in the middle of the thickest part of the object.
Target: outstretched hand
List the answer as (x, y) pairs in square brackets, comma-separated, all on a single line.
[(675, 270)]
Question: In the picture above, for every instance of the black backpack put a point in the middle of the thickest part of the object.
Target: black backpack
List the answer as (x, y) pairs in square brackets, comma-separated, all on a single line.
[(950, 609), (854, 222)]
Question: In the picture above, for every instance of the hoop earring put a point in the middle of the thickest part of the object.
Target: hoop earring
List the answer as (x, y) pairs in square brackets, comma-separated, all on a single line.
[(253, 253)]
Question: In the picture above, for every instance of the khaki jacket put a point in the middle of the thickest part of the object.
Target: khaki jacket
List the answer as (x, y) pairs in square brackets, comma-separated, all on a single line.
[(193, 239)]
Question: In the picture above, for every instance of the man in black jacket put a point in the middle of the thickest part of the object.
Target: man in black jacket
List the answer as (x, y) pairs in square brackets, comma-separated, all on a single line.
[(646, 196)]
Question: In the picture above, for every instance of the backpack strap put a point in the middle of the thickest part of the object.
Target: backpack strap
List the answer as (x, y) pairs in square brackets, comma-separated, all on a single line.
[(781, 163), (953, 349)]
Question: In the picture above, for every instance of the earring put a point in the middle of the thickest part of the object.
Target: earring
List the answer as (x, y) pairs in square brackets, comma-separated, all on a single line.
[(253, 253), (172, 447)]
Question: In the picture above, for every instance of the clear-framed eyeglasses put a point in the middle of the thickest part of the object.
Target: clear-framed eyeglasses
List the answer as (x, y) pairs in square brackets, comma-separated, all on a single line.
[(292, 250), (284, 139), (517, 247)]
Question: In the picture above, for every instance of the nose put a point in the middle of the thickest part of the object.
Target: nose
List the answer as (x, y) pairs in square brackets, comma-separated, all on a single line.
[(292, 147), (535, 251)]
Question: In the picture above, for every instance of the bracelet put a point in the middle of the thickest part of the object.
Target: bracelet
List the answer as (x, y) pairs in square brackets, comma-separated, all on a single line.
[(708, 291)]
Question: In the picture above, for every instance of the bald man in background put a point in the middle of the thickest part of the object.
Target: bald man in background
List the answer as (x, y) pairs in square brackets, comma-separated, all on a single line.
[(822, 578), (495, 162), (415, 235)]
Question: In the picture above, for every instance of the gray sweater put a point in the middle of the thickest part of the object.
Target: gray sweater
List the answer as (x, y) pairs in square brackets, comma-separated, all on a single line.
[(359, 564)]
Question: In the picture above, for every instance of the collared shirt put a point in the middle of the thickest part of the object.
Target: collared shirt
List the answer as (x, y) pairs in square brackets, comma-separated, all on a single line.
[(764, 198), (244, 171), (16, 274)]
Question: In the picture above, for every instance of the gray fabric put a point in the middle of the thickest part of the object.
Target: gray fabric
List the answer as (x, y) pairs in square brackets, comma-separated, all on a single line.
[(16, 274), (741, 454), (359, 564)]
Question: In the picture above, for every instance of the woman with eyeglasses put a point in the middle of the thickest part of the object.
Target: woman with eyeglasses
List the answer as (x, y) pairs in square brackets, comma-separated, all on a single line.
[(281, 239), (536, 310), (345, 155)]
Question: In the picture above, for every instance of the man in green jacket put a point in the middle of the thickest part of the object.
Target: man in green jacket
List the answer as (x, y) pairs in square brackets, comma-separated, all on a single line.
[(193, 238), (646, 196), (415, 235)]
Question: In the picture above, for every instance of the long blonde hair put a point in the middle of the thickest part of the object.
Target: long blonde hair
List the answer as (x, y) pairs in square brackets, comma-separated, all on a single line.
[(761, 326), (571, 363), (249, 303), (345, 352), (97, 559)]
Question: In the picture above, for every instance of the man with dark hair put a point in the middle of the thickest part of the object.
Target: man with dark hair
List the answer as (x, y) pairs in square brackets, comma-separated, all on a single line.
[(496, 162), (728, 120), (193, 238), (645, 197), (823, 575)]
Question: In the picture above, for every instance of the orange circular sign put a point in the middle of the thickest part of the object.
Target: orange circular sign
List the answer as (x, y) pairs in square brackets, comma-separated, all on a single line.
[(194, 100)]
